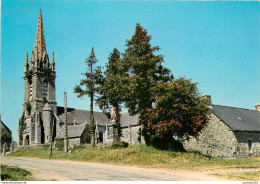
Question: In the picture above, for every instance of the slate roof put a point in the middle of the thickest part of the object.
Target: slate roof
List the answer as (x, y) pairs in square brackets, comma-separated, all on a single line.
[(73, 131), (238, 119), (82, 116), (125, 118), (3, 127)]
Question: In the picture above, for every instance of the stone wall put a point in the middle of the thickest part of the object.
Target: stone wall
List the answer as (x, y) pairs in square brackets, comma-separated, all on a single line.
[(100, 132), (216, 139), (26, 89), (51, 90), (85, 137), (131, 135), (73, 142)]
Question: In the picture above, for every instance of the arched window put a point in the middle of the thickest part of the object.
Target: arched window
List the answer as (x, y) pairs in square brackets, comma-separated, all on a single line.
[(31, 89), (45, 89)]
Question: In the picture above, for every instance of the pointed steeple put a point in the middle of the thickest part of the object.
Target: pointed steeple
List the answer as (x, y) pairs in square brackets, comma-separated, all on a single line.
[(39, 47), (53, 62), (26, 65)]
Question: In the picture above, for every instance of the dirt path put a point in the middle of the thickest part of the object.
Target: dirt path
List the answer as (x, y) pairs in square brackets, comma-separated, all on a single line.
[(73, 171)]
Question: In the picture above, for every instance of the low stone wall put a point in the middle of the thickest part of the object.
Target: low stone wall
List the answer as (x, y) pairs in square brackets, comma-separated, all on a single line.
[(36, 146)]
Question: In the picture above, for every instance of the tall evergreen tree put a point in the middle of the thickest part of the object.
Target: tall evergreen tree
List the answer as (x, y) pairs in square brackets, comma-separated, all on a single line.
[(145, 70), (115, 80), (92, 81)]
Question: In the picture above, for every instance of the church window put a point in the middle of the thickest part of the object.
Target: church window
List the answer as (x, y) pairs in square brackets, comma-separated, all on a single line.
[(31, 91), (45, 89)]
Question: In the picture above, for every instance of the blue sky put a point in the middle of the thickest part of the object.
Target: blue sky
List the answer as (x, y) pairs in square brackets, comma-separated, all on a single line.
[(216, 44)]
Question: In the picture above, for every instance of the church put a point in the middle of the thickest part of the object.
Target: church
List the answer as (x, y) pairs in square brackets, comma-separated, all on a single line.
[(41, 116), (231, 132)]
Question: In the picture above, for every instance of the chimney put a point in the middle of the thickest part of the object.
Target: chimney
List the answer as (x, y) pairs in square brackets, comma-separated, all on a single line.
[(257, 106), (208, 97)]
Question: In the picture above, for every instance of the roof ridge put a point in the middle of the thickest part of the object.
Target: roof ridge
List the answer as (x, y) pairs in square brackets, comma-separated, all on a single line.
[(235, 107), (79, 109)]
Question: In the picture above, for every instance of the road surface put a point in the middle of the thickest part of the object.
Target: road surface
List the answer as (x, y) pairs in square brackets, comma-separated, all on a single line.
[(76, 171)]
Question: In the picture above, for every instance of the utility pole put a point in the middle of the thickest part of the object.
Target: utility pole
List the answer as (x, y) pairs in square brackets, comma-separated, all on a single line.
[(65, 124)]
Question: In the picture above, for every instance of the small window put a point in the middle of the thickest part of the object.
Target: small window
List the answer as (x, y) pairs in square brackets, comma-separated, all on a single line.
[(249, 142), (45, 89)]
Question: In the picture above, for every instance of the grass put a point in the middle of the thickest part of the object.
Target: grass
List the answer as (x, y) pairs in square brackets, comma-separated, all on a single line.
[(141, 156), (246, 176), (15, 174)]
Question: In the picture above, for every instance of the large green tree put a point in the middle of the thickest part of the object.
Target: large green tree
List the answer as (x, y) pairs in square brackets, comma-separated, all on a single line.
[(178, 111), (145, 70), (91, 83), (113, 86)]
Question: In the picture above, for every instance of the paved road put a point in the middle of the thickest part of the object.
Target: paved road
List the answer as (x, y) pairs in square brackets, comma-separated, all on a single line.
[(73, 171)]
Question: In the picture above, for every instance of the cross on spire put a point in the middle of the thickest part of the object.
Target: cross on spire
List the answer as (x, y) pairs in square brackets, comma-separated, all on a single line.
[(39, 47)]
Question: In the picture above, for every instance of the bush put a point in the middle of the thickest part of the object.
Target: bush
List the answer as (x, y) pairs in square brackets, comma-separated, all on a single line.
[(46, 146), (167, 144), (59, 144), (120, 145), (80, 146)]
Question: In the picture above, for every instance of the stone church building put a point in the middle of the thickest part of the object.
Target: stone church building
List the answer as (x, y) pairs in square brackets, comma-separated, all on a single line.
[(231, 132), (41, 116), (39, 105)]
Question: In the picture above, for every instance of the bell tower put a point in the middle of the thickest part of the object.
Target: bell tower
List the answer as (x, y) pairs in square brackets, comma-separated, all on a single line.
[(39, 91)]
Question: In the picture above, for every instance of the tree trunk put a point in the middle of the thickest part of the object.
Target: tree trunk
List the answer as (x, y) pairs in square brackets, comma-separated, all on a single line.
[(91, 117)]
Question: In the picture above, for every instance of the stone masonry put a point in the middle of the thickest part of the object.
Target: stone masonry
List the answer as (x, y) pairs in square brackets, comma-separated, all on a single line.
[(215, 140)]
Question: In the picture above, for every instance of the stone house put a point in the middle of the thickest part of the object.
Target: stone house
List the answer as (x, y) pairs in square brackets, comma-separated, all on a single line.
[(231, 133), (77, 134), (78, 125), (6, 134)]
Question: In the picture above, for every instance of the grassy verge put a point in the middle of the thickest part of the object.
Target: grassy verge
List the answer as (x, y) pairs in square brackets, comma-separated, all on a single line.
[(15, 174), (246, 176), (142, 156)]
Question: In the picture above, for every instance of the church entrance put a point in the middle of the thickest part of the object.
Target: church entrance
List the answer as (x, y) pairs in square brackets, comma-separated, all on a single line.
[(42, 132), (27, 140)]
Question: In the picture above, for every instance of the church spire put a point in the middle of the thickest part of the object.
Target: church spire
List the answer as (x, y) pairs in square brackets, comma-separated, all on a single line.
[(39, 47)]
